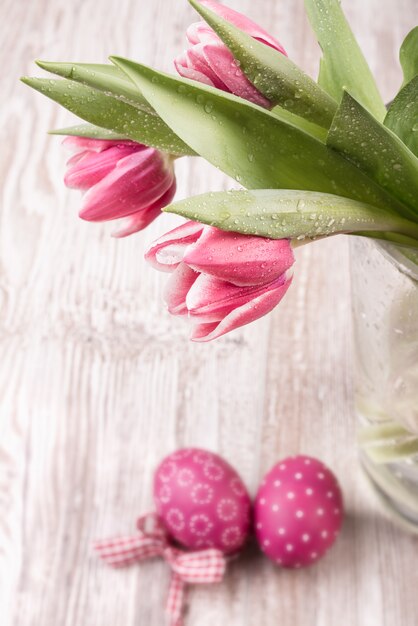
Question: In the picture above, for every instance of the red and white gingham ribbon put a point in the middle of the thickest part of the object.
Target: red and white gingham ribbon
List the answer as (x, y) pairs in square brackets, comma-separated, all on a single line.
[(201, 567)]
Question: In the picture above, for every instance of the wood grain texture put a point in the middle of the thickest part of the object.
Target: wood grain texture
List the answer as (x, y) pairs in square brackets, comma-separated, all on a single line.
[(97, 382)]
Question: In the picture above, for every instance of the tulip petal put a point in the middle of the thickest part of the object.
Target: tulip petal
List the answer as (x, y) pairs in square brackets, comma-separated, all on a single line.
[(89, 168), (138, 221), (200, 32), (222, 63), (167, 252), (244, 23), (244, 260), (200, 332), (180, 283), (78, 156), (211, 299), (198, 61), (248, 312), (194, 64), (137, 181), (187, 72), (77, 143)]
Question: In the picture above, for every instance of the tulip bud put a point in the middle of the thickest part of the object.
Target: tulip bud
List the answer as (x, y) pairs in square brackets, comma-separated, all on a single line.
[(221, 280), (210, 62), (122, 179)]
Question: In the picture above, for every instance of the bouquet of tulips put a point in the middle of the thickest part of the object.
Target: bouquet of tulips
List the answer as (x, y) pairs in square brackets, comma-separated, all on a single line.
[(314, 158)]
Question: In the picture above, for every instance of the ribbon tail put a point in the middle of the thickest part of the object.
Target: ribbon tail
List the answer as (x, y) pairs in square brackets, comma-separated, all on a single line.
[(176, 600), (126, 550)]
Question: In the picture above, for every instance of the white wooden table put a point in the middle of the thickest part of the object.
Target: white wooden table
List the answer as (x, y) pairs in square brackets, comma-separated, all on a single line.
[(98, 382)]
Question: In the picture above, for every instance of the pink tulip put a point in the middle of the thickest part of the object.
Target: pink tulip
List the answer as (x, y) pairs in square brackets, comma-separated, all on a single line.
[(122, 179), (209, 61), (221, 280)]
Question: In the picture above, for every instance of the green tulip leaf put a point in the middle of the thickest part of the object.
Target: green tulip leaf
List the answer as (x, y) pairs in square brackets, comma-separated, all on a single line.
[(284, 213), (343, 65), (408, 56), (406, 245), (375, 149), (88, 130), (401, 253), (402, 116), (104, 77), (273, 73), (105, 111), (387, 442), (249, 143), (112, 81), (320, 132)]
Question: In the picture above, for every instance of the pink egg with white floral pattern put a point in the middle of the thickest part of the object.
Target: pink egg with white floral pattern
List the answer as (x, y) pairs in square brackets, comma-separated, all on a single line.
[(202, 501), (298, 512)]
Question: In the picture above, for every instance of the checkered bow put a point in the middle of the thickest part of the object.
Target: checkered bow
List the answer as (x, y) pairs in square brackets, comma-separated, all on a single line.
[(199, 567)]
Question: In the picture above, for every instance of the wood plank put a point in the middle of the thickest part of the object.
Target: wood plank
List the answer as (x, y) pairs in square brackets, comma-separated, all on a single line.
[(98, 382)]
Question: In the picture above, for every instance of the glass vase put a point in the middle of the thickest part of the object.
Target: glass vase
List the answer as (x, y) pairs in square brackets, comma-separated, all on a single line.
[(385, 309)]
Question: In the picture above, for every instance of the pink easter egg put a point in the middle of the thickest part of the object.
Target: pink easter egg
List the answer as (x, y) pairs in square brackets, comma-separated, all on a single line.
[(202, 501), (298, 511)]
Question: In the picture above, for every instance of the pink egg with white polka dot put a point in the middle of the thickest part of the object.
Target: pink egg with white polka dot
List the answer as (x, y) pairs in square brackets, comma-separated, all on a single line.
[(202, 501), (298, 512)]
